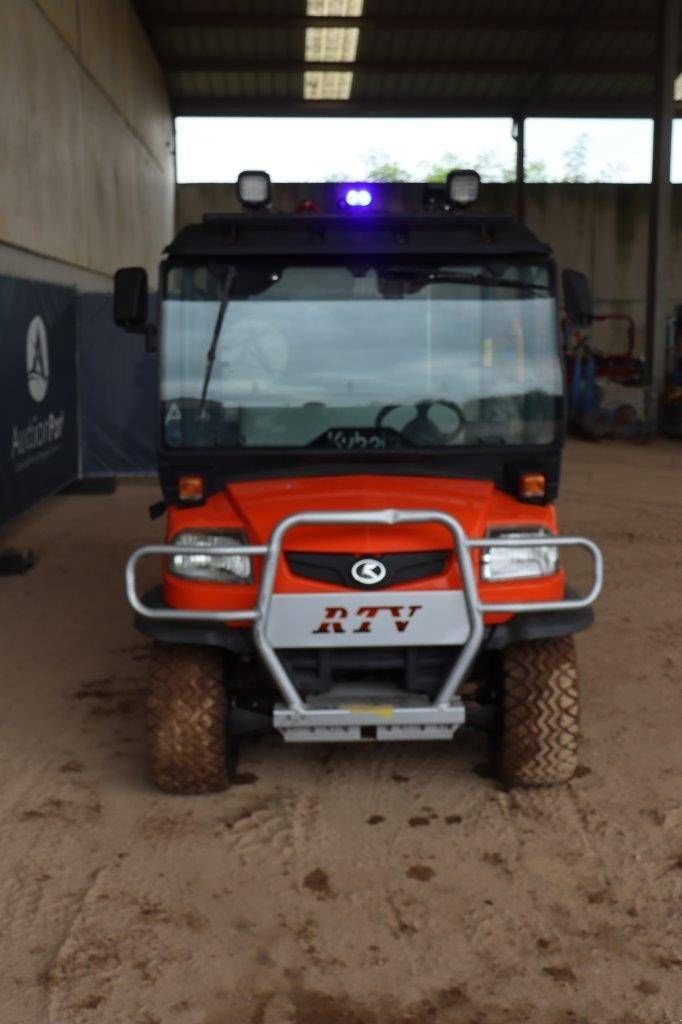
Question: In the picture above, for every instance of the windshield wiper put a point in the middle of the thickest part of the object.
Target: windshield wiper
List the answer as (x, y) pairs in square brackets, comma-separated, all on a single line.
[(210, 355), (451, 277)]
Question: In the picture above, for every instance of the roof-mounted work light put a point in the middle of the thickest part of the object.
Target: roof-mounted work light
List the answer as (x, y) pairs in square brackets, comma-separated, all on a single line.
[(463, 187), (254, 189)]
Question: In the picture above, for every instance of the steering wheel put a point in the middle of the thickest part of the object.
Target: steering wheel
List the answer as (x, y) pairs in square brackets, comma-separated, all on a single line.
[(422, 430)]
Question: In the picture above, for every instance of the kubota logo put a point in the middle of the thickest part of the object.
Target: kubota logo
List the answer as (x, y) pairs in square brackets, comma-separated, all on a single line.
[(369, 571), (336, 619), (37, 359)]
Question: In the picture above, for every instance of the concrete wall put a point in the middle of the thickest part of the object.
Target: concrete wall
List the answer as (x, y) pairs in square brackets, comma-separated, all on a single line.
[(87, 176), (602, 230), (599, 229)]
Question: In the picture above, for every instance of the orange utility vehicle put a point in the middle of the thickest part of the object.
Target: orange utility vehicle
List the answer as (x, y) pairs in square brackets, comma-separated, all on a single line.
[(361, 420)]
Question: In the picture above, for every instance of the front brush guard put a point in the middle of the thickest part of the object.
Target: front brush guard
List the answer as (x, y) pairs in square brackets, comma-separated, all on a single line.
[(298, 720)]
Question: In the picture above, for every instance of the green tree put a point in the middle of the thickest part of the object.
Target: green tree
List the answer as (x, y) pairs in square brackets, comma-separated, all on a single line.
[(337, 176), (381, 168), (536, 170), (613, 172), (575, 160), (488, 164), (435, 174), (491, 168)]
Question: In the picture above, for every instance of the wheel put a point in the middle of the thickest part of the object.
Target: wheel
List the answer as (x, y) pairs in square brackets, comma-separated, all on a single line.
[(538, 745), (187, 719)]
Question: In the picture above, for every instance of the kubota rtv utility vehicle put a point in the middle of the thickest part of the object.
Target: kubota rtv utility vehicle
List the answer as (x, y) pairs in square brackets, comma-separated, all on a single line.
[(361, 419)]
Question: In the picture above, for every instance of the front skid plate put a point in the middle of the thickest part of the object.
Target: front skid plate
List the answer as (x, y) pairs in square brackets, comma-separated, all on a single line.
[(350, 722)]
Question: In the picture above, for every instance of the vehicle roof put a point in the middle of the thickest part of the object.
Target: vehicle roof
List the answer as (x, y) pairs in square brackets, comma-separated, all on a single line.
[(268, 234)]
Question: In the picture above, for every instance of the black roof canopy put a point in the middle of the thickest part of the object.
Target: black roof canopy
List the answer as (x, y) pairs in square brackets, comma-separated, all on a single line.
[(404, 234)]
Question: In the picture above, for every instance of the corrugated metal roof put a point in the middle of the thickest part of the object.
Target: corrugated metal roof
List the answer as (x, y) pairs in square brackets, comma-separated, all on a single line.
[(457, 57)]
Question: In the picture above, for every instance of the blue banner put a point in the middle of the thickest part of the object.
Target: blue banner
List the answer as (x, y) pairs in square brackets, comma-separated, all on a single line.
[(118, 393), (38, 392)]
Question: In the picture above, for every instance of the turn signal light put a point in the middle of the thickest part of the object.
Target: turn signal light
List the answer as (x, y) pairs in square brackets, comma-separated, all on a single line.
[(191, 488), (532, 485)]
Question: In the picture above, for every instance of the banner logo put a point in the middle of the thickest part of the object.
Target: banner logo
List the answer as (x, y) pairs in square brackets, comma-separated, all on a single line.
[(37, 359)]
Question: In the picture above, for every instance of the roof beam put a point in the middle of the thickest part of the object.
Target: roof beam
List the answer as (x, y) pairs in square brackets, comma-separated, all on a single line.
[(486, 66), (229, 106), (559, 54), (159, 19)]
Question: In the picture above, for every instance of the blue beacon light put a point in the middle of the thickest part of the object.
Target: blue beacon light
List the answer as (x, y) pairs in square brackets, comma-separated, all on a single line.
[(358, 197)]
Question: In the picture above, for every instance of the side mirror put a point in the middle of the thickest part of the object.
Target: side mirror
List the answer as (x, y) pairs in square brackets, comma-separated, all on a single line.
[(130, 299), (577, 298)]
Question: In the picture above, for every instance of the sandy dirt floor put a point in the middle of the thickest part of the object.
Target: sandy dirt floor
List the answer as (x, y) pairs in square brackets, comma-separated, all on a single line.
[(356, 885)]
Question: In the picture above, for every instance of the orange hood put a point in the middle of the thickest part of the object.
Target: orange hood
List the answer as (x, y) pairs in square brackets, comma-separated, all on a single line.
[(257, 507), (260, 505)]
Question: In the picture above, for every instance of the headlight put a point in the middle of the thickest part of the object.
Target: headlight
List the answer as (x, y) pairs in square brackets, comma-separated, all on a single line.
[(517, 562), (223, 568)]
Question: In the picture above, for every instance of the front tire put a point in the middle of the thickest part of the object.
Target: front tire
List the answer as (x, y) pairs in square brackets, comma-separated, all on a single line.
[(187, 719), (540, 730)]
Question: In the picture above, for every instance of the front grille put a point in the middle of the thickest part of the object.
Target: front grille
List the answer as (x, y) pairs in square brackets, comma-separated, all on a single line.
[(414, 669), (402, 567)]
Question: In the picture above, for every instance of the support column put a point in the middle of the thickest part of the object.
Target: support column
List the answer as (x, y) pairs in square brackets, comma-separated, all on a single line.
[(519, 135), (661, 196)]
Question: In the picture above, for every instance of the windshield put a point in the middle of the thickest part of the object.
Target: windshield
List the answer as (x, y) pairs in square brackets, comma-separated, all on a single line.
[(417, 354)]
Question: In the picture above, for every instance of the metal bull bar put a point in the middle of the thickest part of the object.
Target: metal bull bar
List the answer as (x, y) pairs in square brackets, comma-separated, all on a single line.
[(299, 720)]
